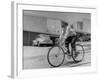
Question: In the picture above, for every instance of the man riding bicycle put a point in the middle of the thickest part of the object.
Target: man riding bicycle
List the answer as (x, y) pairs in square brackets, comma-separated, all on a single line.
[(68, 35)]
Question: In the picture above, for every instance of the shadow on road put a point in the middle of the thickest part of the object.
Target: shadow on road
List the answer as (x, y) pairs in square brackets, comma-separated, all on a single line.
[(73, 64)]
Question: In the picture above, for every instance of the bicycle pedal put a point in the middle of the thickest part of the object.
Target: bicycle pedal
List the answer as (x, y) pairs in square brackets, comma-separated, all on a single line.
[(69, 57), (69, 54), (65, 52)]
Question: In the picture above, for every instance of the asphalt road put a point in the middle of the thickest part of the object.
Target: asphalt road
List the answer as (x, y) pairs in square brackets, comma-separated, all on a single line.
[(36, 57)]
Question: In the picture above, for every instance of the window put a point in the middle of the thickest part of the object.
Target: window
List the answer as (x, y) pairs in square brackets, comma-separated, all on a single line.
[(80, 25)]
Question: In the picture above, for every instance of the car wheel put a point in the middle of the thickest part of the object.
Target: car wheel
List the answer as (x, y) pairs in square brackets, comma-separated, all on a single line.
[(38, 44)]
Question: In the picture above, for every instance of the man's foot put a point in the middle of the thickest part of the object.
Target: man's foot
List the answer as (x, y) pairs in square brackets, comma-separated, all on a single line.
[(68, 52), (76, 54)]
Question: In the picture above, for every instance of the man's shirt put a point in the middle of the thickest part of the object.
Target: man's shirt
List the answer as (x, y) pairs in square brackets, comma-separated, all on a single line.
[(67, 32)]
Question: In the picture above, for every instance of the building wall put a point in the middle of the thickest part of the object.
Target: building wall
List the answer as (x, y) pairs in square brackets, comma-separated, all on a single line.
[(53, 26), (34, 23), (87, 25), (50, 21)]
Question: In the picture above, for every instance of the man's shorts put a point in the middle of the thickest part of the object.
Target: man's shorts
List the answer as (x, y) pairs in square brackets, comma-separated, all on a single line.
[(69, 39)]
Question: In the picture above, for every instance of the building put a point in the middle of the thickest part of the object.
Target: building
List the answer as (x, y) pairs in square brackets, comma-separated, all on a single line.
[(47, 22)]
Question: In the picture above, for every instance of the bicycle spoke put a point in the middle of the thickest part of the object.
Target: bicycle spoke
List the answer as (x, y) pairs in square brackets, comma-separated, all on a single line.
[(55, 56), (78, 54)]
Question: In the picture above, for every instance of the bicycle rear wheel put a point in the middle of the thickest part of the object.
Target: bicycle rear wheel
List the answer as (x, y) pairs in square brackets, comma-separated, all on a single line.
[(78, 53), (55, 56)]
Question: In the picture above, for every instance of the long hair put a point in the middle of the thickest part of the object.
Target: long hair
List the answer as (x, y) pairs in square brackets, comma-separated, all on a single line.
[(64, 24), (72, 26)]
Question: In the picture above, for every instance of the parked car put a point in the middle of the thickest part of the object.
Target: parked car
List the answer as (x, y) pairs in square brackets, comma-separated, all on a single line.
[(83, 36), (42, 40)]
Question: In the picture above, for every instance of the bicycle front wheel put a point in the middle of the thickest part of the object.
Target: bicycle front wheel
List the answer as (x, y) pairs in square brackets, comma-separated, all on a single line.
[(78, 53), (55, 56)]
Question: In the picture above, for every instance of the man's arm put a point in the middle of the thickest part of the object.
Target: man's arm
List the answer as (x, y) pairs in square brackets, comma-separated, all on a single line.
[(61, 35), (67, 32)]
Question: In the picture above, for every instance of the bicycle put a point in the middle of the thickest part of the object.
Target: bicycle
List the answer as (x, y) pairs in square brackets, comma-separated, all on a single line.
[(56, 54)]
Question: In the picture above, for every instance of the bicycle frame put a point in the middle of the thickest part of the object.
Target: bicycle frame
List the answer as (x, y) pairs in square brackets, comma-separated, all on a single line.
[(64, 46)]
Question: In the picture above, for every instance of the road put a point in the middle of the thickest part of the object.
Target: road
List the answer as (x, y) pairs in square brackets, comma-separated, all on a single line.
[(36, 57)]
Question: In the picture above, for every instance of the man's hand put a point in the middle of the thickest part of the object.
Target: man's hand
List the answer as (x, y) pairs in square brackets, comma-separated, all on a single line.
[(60, 41)]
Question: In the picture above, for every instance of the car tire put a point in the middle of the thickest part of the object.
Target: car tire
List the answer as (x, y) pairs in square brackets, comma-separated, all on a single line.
[(38, 44)]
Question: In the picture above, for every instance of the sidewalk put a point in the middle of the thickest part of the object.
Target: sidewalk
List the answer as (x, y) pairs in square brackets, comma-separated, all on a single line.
[(36, 57), (31, 51)]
